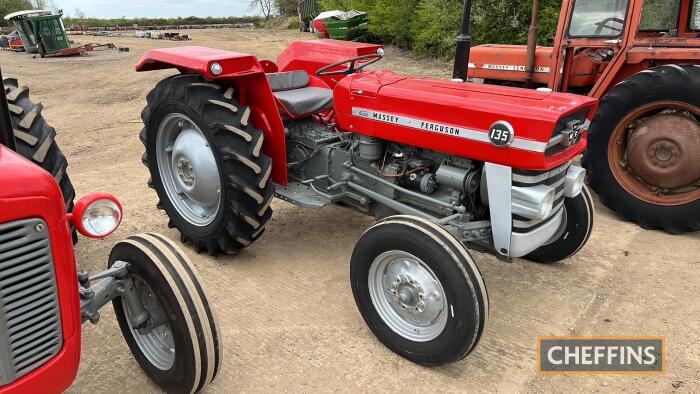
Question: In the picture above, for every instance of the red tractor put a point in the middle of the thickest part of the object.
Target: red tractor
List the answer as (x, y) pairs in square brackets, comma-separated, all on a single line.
[(158, 300), (444, 166), (641, 59)]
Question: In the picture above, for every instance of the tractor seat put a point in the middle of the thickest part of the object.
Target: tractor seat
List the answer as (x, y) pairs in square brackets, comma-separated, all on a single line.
[(293, 91)]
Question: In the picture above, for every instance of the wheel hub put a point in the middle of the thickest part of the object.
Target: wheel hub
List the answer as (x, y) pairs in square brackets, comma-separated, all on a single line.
[(408, 296), (663, 151), (184, 169), (188, 169)]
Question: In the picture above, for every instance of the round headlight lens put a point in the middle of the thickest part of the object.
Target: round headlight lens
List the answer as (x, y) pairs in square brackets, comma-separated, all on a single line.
[(547, 204), (380, 51), (101, 217)]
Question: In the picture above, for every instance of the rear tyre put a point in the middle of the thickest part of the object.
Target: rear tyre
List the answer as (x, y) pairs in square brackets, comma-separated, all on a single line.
[(419, 290), (206, 164), (646, 172), (35, 139), (579, 213), (179, 346)]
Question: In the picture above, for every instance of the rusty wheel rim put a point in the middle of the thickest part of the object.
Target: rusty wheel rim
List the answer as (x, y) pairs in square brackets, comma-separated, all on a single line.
[(654, 177)]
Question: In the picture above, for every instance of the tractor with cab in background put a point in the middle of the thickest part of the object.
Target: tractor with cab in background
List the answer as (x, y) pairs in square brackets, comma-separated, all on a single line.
[(642, 59), (443, 166), (158, 300)]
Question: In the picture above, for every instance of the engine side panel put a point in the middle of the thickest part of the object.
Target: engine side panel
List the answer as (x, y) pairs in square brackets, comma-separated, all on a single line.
[(455, 118)]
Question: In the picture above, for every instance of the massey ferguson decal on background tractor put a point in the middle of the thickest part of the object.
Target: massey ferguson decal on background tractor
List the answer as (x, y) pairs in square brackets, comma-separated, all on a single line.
[(444, 166), (158, 300)]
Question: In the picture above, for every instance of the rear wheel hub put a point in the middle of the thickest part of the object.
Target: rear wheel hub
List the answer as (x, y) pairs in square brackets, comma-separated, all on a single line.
[(654, 153), (661, 150)]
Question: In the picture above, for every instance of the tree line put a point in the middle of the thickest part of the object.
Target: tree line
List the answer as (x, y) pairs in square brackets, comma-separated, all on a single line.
[(430, 27)]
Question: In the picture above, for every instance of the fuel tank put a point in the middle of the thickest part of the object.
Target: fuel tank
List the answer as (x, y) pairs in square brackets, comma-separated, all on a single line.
[(458, 118)]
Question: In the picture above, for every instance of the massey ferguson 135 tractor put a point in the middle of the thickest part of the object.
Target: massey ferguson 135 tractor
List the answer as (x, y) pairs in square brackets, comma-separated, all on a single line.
[(158, 300), (443, 165), (640, 57)]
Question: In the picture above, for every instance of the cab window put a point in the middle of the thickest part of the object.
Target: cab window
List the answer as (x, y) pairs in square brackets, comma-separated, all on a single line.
[(598, 18), (695, 16), (660, 15)]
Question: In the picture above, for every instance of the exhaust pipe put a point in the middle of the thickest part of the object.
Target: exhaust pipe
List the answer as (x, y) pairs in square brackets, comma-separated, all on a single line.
[(464, 43), (532, 43)]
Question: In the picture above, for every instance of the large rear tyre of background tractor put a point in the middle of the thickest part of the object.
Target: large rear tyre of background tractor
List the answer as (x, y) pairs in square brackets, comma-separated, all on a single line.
[(35, 139), (643, 155), (578, 215), (206, 164), (178, 347), (419, 290)]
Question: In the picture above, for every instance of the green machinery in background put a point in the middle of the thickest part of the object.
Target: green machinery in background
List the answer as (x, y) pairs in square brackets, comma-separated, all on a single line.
[(350, 25), (41, 31), (308, 10)]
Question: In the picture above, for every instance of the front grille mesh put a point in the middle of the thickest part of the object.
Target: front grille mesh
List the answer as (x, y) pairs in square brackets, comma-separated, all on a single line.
[(30, 321), (554, 178)]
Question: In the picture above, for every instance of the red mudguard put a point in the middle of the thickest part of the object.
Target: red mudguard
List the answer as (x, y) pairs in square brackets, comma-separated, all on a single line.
[(247, 75)]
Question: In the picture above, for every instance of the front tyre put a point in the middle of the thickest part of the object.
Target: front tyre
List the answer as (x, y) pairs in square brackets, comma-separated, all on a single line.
[(179, 346), (206, 164), (578, 214), (419, 290)]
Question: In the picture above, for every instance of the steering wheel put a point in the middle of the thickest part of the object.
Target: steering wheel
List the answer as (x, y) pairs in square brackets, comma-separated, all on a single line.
[(352, 67), (604, 23)]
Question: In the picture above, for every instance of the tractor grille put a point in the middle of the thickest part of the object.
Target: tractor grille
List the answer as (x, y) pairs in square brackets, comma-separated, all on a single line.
[(554, 178), (557, 143), (30, 320)]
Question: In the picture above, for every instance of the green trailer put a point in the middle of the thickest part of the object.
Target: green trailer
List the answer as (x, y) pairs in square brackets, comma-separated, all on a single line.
[(41, 31), (348, 26)]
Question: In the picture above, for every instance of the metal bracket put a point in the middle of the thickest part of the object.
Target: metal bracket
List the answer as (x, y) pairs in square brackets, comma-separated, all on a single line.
[(114, 282), (499, 181)]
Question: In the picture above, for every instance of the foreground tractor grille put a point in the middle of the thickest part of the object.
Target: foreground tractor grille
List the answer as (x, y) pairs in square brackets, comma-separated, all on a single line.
[(554, 178), (30, 321)]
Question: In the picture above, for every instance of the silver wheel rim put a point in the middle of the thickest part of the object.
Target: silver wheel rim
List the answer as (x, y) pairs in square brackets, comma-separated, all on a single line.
[(157, 344), (188, 170), (408, 296)]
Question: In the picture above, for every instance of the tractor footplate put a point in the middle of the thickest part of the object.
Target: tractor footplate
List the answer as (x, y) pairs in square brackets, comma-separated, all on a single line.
[(301, 195)]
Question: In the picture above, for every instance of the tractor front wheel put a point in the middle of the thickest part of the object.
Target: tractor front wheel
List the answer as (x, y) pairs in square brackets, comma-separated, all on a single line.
[(206, 164), (643, 158), (178, 347), (419, 290)]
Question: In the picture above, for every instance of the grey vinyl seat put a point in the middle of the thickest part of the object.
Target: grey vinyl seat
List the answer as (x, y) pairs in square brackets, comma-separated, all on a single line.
[(293, 91)]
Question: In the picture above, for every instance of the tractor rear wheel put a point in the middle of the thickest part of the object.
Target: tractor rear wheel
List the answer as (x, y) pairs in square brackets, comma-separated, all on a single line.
[(643, 157), (206, 164), (36, 140)]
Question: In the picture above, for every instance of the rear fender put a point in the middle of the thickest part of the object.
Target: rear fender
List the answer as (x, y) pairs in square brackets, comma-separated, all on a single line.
[(247, 75)]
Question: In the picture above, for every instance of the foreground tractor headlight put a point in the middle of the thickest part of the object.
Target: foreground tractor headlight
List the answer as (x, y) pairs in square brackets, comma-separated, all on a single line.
[(573, 185), (533, 202), (97, 215), (380, 51)]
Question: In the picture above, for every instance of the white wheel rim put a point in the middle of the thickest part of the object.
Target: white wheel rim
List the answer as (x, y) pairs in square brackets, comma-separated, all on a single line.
[(157, 345), (408, 296)]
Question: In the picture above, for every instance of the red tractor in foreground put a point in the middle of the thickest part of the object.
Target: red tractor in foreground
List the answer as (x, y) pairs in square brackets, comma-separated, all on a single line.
[(158, 300), (444, 166), (641, 58)]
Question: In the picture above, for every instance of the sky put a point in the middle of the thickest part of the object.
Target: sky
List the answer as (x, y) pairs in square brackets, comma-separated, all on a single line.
[(155, 8)]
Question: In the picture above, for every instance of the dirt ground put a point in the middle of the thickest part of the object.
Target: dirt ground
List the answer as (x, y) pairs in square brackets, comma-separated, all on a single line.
[(285, 307)]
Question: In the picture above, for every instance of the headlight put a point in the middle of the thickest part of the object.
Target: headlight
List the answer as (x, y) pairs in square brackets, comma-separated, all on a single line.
[(380, 51), (533, 202), (97, 215), (573, 184)]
